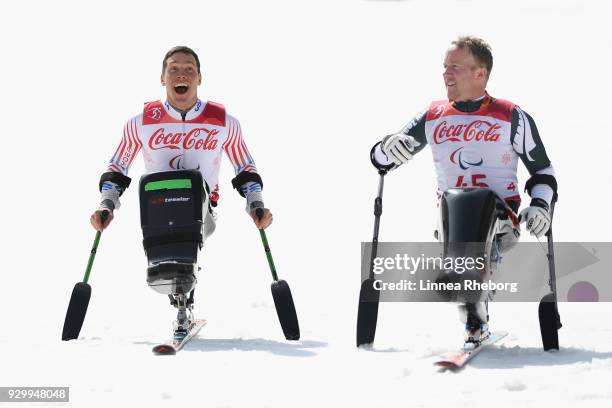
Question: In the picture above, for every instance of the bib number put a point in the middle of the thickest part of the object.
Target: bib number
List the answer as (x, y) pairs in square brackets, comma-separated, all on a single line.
[(475, 181)]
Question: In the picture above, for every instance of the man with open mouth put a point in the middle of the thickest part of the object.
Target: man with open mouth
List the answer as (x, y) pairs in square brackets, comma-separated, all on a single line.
[(181, 135)]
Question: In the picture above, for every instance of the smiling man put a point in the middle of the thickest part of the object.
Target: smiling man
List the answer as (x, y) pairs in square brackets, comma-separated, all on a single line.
[(171, 138), (183, 133), (476, 141)]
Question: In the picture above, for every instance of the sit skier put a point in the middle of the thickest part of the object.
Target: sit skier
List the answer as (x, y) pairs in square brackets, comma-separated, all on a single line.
[(476, 141), (180, 134)]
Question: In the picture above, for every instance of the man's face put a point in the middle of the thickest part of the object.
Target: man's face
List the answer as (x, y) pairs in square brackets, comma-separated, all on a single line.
[(463, 77), (181, 79)]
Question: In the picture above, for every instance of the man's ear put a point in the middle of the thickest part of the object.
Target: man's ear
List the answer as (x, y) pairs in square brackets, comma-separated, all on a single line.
[(200, 76), (161, 78), (482, 72)]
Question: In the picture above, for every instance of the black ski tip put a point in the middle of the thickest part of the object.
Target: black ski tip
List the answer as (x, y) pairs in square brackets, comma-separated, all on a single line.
[(367, 315), (164, 350), (77, 308), (550, 323), (285, 308)]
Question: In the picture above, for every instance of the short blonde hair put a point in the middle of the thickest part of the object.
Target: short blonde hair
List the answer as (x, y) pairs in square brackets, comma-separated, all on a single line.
[(478, 48)]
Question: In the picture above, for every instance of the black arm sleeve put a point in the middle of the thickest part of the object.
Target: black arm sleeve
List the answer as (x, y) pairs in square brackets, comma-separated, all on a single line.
[(115, 177), (526, 141), (416, 129)]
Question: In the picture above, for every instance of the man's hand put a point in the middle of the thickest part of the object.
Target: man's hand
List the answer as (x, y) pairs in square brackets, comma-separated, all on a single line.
[(536, 217), (399, 147), (265, 220), (96, 219)]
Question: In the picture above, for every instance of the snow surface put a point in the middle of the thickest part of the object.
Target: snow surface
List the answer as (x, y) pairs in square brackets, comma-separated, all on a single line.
[(314, 84)]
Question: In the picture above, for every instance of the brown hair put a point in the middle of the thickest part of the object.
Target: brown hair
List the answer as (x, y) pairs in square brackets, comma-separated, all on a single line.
[(184, 49), (478, 48)]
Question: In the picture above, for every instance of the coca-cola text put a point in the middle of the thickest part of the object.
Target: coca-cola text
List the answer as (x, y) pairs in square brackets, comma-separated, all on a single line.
[(476, 130), (185, 140)]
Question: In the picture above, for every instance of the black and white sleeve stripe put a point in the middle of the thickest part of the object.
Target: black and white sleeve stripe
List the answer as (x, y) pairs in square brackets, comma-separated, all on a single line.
[(527, 143)]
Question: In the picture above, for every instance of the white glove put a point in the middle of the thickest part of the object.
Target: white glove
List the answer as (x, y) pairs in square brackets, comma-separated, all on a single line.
[(399, 147), (536, 217)]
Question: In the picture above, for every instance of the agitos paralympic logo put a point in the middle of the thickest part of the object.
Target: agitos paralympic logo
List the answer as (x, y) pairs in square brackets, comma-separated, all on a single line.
[(178, 163), (456, 158)]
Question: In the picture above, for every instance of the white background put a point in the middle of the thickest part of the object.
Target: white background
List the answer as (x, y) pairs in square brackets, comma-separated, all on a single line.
[(315, 84)]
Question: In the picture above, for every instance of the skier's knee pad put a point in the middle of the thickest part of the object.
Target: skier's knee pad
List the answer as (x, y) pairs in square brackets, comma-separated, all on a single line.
[(171, 216)]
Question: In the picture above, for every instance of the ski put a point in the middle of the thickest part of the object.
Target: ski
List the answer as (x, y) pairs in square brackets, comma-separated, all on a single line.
[(175, 344), (458, 359)]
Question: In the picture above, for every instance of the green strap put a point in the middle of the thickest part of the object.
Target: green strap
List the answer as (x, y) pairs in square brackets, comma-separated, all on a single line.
[(264, 240), (168, 184)]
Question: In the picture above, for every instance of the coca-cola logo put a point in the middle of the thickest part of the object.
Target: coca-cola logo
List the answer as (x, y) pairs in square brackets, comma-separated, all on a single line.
[(477, 130), (197, 139)]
